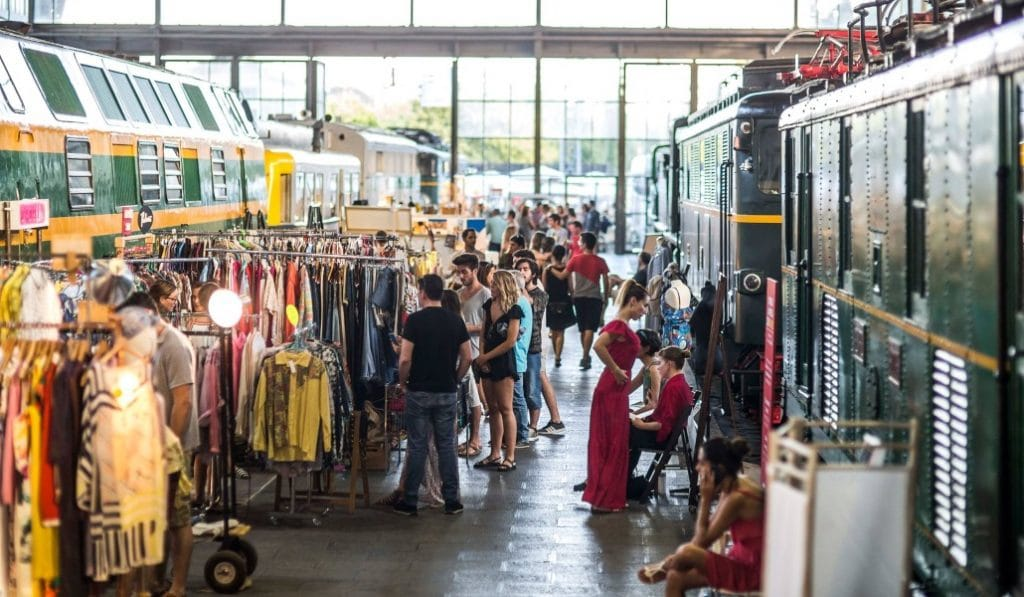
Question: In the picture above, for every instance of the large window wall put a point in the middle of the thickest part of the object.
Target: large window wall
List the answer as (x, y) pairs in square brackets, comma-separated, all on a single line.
[(725, 14)]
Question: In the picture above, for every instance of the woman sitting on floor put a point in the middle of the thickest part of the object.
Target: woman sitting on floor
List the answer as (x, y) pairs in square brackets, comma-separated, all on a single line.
[(740, 510)]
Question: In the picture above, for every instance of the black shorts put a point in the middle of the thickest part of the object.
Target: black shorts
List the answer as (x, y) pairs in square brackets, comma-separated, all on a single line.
[(588, 313)]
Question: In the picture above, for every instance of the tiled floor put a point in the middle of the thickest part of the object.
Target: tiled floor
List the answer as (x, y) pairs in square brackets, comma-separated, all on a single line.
[(523, 533)]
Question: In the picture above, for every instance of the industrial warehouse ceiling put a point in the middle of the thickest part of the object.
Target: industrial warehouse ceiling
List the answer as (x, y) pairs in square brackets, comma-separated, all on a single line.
[(670, 29)]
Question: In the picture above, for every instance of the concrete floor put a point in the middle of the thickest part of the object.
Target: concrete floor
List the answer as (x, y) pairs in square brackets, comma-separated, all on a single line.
[(523, 533)]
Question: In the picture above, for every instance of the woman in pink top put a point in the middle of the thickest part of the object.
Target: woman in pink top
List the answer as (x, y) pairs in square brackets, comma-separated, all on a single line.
[(740, 510)]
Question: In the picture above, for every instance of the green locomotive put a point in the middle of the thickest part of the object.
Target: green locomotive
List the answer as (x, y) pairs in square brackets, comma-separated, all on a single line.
[(903, 280)]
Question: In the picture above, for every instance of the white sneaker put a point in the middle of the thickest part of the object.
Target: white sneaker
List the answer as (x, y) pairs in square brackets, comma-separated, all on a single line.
[(533, 435)]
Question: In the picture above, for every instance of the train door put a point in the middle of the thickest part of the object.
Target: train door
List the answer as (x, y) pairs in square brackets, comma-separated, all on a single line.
[(804, 291), (1012, 196)]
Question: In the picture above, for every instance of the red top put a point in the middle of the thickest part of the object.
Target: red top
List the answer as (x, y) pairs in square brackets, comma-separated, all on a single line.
[(574, 245), (675, 396), (588, 265)]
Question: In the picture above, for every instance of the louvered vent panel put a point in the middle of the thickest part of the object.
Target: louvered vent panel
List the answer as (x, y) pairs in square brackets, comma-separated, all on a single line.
[(830, 359), (710, 153), (949, 456)]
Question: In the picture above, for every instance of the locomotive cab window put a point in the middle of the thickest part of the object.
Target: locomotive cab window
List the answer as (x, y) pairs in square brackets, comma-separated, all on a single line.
[(9, 91), (767, 161), (53, 81), (78, 154), (789, 200)]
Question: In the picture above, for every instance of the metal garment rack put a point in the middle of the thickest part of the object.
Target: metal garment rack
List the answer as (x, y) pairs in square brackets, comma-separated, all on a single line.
[(270, 253), (144, 260), (177, 232)]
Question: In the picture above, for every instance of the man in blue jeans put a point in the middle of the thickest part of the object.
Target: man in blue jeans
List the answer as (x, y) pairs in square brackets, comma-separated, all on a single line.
[(435, 356)]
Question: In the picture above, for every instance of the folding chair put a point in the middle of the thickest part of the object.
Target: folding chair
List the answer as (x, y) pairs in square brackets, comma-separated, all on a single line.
[(662, 456)]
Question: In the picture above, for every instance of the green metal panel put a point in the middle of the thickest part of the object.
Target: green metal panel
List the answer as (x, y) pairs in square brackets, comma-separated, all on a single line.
[(860, 180), (983, 219), (190, 179), (53, 80), (125, 184)]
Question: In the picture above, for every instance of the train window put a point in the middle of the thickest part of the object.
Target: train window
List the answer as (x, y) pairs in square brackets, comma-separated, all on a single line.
[(202, 109), (876, 266), (9, 91), (81, 194), (171, 101), (220, 174), (129, 99), (152, 101), (298, 198), (149, 172), (916, 205), (331, 200), (789, 201), (103, 92), (767, 164), (172, 174), (54, 82), (845, 215), (234, 120)]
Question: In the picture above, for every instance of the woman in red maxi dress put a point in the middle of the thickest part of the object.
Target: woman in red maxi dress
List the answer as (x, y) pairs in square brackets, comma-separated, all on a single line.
[(608, 447)]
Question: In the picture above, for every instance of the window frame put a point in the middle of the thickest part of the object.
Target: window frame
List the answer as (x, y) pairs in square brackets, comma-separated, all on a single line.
[(138, 97), (62, 116), (10, 85), (180, 187), (177, 102), (155, 157), (68, 156), (917, 204), (110, 86), (223, 161), (137, 80)]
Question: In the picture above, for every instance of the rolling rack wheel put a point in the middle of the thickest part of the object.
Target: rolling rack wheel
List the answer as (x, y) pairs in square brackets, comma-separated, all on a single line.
[(244, 549), (225, 572)]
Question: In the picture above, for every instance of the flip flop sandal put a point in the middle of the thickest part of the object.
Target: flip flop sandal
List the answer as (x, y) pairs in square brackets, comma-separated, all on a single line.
[(652, 573), (506, 466), (488, 463), (467, 451)]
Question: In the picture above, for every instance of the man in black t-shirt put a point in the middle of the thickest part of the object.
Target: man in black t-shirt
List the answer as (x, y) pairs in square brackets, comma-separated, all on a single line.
[(435, 357)]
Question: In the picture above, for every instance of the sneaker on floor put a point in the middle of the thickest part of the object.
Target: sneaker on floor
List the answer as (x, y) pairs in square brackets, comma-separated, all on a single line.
[(523, 444), (453, 507), (533, 436), (585, 364), (580, 486), (552, 428), (558, 362), (404, 509)]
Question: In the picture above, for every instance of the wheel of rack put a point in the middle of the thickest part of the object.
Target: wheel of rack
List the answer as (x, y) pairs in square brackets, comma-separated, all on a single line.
[(225, 572)]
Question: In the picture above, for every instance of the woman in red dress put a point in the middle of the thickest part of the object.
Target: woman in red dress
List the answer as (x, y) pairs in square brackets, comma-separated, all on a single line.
[(740, 510), (608, 448)]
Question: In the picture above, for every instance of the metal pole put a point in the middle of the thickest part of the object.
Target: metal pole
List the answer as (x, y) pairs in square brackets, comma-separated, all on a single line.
[(311, 89), (694, 86), (536, 118), (620, 184), (455, 126)]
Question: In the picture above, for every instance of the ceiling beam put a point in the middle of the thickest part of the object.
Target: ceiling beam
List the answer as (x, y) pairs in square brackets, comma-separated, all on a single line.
[(505, 42)]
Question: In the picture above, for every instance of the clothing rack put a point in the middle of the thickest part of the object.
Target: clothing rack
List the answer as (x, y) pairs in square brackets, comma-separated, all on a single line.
[(269, 253), (168, 260), (177, 232)]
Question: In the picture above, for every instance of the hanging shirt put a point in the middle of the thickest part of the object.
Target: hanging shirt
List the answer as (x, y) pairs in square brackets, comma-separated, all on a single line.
[(292, 407)]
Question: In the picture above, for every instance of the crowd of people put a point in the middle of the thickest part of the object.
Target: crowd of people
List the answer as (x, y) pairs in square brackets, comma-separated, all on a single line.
[(484, 337)]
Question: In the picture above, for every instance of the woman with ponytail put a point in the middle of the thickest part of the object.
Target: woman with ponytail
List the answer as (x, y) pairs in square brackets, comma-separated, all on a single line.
[(608, 447), (740, 511)]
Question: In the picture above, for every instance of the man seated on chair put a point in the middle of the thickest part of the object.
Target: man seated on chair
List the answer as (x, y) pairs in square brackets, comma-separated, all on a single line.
[(676, 399)]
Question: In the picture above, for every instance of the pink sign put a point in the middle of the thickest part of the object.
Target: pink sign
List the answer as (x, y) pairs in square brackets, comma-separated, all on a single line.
[(127, 215), (771, 368), (28, 214)]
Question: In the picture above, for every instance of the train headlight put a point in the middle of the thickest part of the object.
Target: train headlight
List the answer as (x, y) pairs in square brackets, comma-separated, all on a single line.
[(746, 127), (750, 281)]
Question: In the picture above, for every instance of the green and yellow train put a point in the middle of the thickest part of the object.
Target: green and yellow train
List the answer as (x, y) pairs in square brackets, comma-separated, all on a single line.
[(903, 281), (93, 134)]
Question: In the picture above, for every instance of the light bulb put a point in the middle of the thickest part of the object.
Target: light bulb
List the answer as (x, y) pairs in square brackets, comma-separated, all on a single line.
[(225, 308)]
